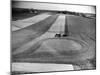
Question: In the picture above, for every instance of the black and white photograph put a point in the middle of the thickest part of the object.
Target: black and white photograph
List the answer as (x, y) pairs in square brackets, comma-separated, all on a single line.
[(52, 37)]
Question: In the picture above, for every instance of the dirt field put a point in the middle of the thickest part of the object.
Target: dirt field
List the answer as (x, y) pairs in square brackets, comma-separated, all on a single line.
[(30, 39)]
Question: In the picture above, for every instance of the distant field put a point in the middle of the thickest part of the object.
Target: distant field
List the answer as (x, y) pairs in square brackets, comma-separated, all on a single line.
[(26, 15), (22, 16)]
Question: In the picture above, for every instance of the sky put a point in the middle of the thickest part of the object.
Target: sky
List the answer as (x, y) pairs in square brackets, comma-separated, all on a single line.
[(52, 6)]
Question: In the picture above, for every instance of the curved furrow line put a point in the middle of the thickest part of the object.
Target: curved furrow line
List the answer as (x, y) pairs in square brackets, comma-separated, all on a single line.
[(27, 34)]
